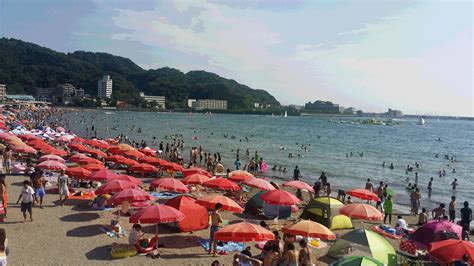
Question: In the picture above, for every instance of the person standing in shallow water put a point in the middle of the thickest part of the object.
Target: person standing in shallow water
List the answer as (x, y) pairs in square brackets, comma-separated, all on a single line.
[(296, 173)]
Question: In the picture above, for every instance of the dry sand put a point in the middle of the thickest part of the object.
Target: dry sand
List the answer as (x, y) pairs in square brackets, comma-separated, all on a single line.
[(70, 235)]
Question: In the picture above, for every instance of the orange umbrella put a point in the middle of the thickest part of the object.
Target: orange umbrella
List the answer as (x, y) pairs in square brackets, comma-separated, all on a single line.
[(240, 172), (195, 170), (134, 154), (279, 197), (227, 203), (243, 232), (363, 194), (24, 149), (298, 185), (128, 162), (195, 179), (361, 211), (239, 178), (55, 152), (222, 183), (120, 148), (309, 228), (170, 184), (259, 183)]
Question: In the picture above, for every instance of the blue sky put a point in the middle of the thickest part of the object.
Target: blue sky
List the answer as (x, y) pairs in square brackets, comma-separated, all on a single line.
[(411, 55)]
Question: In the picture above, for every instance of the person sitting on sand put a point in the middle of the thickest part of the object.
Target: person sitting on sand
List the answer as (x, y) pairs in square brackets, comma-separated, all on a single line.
[(349, 200), (135, 235), (216, 220), (26, 198), (422, 217), (291, 257), (439, 212), (305, 253), (402, 226)]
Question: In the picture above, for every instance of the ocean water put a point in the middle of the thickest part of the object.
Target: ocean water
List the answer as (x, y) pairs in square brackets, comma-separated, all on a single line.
[(327, 144)]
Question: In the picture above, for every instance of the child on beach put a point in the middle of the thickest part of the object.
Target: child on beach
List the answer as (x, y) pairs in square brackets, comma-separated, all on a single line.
[(26, 198)]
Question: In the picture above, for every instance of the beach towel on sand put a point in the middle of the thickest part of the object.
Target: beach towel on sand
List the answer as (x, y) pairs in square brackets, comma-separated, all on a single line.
[(226, 247)]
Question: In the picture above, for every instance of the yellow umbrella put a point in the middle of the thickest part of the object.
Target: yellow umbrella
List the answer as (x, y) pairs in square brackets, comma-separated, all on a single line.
[(309, 228)]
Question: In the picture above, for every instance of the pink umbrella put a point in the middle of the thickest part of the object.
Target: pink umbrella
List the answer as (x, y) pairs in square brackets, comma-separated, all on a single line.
[(129, 178), (114, 186), (60, 129), (259, 183), (170, 184), (63, 139), (103, 175), (51, 165), (130, 195), (279, 197), (77, 157), (222, 183), (51, 158), (435, 230), (298, 185)]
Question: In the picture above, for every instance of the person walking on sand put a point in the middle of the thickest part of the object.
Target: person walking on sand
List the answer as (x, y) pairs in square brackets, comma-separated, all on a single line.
[(38, 185), (26, 198), (216, 221), (63, 186), (388, 207)]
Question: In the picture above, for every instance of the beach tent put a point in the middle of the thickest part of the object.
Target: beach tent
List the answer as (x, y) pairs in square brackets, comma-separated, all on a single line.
[(322, 210), (256, 206), (196, 216), (357, 261), (364, 243), (341, 222)]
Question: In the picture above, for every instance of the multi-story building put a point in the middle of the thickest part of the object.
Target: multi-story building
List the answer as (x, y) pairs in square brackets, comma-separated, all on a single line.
[(350, 111), (208, 104), (190, 103), (324, 107), (3, 92), (64, 93), (104, 87), (394, 113), (160, 101), (44, 94)]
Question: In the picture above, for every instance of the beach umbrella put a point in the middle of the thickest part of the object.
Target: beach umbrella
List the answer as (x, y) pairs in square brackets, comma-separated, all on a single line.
[(60, 129), (361, 211), (357, 261), (169, 184), (77, 147), (97, 153), (78, 172), (448, 251), (129, 178), (195, 170), (150, 160), (94, 167), (222, 183), (120, 148), (240, 172), (88, 160), (114, 158), (103, 175), (55, 151), (172, 166), (243, 232), (279, 197), (77, 140), (308, 228), (143, 168), (363, 194), (435, 230), (28, 136), (298, 185), (155, 214), (51, 165), (227, 203), (130, 195), (24, 149), (195, 179), (112, 141), (259, 183), (63, 139), (128, 162), (239, 178), (114, 186), (51, 158), (77, 157), (97, 143), (5, 135), (148, 151), (134, 154)]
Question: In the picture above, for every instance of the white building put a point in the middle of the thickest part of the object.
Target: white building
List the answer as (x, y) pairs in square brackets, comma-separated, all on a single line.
[(104, 87), (159, 100), (190, 103), (208, 104), (3, 92)]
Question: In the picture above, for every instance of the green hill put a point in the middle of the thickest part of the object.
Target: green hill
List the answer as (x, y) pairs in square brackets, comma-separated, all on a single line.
[(25, 66)]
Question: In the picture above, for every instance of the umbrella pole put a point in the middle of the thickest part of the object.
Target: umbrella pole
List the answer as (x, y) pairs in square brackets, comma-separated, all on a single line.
[(156, 234)]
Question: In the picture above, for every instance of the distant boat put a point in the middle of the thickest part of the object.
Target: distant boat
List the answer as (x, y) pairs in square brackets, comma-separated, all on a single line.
[(286, 114), (421, 121)]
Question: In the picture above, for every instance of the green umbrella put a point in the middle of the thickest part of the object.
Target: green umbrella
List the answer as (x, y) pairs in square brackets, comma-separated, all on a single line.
[(357, 261)]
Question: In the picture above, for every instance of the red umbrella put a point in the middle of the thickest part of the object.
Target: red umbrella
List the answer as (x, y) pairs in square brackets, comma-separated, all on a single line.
[(128, 162), (170, 184), (194, 170), (114, 158), (155, 214), (130, 195), (77, 147), (361, 211), (24, 149), (114, 186), (94, 167), (63, 139), (195, 179), (51, 158), (259, 183), (243, 232), (143, 168), (55, 152), (298, 185), (28, 136), (451, 250), (78, 172), (76, 157), (279, 197), (227, 203), (97, 153), (128, 178), (148, 151), (239, 178), (222, 183), (363, 194), (172, 166), (150, 160), (103, 175), (51, 165), (133, 154), (97, 144), (77, 140), (88, 160)]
